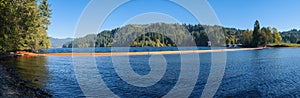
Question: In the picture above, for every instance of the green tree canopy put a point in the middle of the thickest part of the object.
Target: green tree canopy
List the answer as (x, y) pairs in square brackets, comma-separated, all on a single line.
[(293, 38), (276, 35), (256, 36), (24, 24), (161, 34), (247, 38)]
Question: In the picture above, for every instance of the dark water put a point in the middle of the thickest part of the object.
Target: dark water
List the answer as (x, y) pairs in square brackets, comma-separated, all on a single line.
[(273, 72)]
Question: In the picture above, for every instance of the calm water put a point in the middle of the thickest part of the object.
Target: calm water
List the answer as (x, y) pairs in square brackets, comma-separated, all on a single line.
[(119, 49), (273, 72)]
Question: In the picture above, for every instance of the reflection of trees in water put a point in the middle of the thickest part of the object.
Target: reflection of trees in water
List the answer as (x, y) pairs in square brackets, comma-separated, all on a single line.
[(32, 69)]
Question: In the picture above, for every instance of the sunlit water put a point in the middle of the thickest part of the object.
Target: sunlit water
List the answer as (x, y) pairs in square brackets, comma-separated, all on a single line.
[(273, 72)]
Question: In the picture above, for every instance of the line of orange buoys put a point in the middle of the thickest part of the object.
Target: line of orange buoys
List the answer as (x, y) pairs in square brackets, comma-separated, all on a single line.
[(135, 53)]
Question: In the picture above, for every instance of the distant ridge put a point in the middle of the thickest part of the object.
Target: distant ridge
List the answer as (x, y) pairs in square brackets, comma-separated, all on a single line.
[(58, 43)]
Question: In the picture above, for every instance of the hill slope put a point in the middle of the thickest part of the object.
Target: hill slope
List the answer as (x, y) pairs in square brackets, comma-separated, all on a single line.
[(154, 35), (162, 35), (58, 43)]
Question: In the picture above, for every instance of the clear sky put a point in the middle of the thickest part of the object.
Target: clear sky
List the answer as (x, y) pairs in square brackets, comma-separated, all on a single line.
[(283, 14)]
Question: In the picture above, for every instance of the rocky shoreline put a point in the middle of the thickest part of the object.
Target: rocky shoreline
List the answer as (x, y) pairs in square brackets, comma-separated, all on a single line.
[(12, 86)]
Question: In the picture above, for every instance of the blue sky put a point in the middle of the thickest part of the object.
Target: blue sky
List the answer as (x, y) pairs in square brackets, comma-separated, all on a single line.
[(283, 14)]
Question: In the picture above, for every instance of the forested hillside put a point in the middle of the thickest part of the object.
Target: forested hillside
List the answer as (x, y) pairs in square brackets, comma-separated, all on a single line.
[(155, 35), (161, 35), (23, 25), (87, 41), (291, 36)]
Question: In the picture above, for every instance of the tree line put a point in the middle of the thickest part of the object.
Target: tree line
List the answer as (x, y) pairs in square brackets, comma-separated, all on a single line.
[(24, 24), (260, 36), (291, 36), (162, 35)]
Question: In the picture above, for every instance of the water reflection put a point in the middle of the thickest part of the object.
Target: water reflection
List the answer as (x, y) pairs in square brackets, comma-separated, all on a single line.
[(31, 69)]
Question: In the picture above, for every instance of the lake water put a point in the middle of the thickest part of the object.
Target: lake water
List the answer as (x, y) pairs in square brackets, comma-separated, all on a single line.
[(272, 72), (120, 49)]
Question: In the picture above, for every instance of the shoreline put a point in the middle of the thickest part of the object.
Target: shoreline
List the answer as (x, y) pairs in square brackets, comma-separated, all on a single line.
[(284, 45), (12, 86), (138, 53)]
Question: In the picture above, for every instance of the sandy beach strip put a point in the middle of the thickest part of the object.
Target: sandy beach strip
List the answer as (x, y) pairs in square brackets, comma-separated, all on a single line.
[(142, 53)]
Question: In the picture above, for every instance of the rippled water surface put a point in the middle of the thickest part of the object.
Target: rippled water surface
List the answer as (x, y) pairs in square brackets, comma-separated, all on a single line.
[(257, 73)]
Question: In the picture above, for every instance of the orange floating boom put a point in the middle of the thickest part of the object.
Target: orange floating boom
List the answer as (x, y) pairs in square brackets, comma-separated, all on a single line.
[(135, 53)]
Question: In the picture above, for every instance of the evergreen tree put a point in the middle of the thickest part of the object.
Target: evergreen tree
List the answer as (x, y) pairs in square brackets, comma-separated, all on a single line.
[(23, 25), (257, 39)]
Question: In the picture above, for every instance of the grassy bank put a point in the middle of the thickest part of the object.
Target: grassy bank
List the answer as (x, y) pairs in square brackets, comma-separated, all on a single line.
[(284, 45)]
